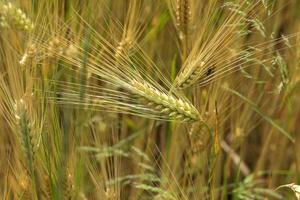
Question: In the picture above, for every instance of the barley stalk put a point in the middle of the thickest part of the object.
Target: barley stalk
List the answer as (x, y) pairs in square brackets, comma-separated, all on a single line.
[(11, 15), (30, 52), (129, 75), (167, 104), (47, 193), (29, 138), (211, 48), (25, 193), (68, 186), (182, 14), (189, 76), (122, 46)]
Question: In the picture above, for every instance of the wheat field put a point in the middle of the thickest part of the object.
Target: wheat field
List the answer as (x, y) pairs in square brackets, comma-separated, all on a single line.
[(149, 99)]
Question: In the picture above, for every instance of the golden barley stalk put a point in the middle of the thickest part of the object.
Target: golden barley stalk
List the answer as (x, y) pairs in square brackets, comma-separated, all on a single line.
[(167, 104), (132, 29), (182, 12), (214, 50), (68, 186), (128, 75), (11, 15)]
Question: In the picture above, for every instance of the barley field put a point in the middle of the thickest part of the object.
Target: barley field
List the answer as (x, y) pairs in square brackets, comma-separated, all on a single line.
[(150, 99)]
